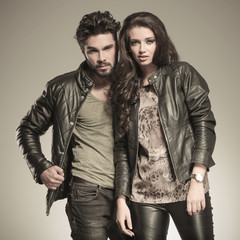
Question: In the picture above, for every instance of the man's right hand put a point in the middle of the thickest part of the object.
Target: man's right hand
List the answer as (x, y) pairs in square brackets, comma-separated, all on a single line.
[(52, 177)]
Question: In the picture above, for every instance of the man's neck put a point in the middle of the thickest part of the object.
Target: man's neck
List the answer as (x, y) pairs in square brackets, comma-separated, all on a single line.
[(101, 86), (100, 82)]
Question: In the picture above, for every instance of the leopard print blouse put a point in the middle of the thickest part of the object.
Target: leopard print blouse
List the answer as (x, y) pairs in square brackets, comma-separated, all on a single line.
[(154, 180)]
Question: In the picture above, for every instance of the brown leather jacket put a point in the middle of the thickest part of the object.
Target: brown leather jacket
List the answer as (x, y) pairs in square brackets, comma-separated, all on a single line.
[(187, 120)]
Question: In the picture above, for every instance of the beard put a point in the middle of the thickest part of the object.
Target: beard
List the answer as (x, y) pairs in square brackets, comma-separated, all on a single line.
[(101, 73)]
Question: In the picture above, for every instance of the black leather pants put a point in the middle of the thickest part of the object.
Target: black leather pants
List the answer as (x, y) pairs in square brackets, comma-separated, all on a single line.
[(151, 221)]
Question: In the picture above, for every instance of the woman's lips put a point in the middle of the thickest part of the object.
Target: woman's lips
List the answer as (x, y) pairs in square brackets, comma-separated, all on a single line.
[(142, 58)]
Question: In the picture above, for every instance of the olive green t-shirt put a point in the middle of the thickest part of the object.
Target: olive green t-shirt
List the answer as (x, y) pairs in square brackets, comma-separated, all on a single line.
[(92, 143)]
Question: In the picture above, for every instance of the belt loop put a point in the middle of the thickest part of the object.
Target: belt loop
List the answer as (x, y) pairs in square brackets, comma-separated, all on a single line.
[(99, 188)]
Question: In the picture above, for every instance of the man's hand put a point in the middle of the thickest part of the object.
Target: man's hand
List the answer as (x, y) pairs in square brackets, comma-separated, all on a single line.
[(52, 177), (123, 216)]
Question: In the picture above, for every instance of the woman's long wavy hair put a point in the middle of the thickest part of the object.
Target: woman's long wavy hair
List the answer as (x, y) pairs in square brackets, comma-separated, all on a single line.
[(128, 77)]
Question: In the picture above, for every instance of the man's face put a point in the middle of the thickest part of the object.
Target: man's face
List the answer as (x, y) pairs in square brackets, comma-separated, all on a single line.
[(100, 53)]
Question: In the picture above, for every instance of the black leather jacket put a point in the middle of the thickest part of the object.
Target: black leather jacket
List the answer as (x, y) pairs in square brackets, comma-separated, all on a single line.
[(187, 120), (58, 107)]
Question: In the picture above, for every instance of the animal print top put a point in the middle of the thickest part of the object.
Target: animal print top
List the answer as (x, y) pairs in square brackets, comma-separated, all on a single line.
[(154, 180)]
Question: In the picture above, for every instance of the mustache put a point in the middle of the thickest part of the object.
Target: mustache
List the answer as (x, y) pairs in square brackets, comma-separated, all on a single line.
[(103, 64)]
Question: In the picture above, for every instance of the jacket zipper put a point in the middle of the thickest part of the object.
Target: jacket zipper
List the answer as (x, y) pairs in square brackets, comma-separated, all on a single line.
[(74, 124), (65, 152), (164, 131), (137, 142)]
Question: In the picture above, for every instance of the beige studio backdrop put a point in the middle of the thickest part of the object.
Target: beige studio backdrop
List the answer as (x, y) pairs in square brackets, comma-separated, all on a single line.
[(37, 44)]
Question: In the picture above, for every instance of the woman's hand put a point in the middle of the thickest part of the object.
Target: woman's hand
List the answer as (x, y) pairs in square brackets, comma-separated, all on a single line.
[(196, 195), (196, 198), (123, 216)]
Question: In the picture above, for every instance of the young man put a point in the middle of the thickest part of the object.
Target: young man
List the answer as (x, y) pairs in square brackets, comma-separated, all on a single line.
[(74, 103)]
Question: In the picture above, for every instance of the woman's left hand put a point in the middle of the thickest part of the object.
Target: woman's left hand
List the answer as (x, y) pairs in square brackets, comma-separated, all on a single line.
[(196, 198)]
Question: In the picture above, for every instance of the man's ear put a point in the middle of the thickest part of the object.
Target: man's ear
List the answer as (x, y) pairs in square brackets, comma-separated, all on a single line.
[(83, 52)]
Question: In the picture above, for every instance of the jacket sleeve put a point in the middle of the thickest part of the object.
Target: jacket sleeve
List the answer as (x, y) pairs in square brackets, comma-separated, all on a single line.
[(122, 172), (32, 126), (202, 119)]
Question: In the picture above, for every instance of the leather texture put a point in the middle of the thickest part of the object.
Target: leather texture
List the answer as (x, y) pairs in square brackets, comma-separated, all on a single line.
[(187, 121), (151, 221), (58, 106)]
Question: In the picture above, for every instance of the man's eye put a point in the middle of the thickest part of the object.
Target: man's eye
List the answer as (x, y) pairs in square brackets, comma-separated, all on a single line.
[(107, 48), (92, 51)]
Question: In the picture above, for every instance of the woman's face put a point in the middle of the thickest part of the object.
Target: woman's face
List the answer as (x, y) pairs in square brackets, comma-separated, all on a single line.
[(142, 45)]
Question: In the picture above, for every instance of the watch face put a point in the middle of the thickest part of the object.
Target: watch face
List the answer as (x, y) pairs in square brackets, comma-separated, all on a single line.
[(199, 177)]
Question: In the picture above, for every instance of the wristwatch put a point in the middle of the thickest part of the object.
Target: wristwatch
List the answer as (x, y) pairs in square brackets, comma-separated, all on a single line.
[(198, 177)]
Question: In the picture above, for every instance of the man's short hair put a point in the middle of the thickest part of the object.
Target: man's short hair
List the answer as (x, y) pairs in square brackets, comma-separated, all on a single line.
[(96, 23)]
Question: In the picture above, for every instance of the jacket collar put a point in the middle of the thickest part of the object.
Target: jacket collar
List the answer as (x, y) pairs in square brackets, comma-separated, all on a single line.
[(154, 77), (84, 81)]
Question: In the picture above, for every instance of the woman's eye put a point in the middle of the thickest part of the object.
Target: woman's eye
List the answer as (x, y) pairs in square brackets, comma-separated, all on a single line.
[(134, 43), (150, 41)]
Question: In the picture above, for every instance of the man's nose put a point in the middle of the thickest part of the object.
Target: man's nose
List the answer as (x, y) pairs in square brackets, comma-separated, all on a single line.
[(101, 57)]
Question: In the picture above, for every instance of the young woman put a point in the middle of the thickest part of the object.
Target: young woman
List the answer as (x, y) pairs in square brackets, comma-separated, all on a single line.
[(164, 136)]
